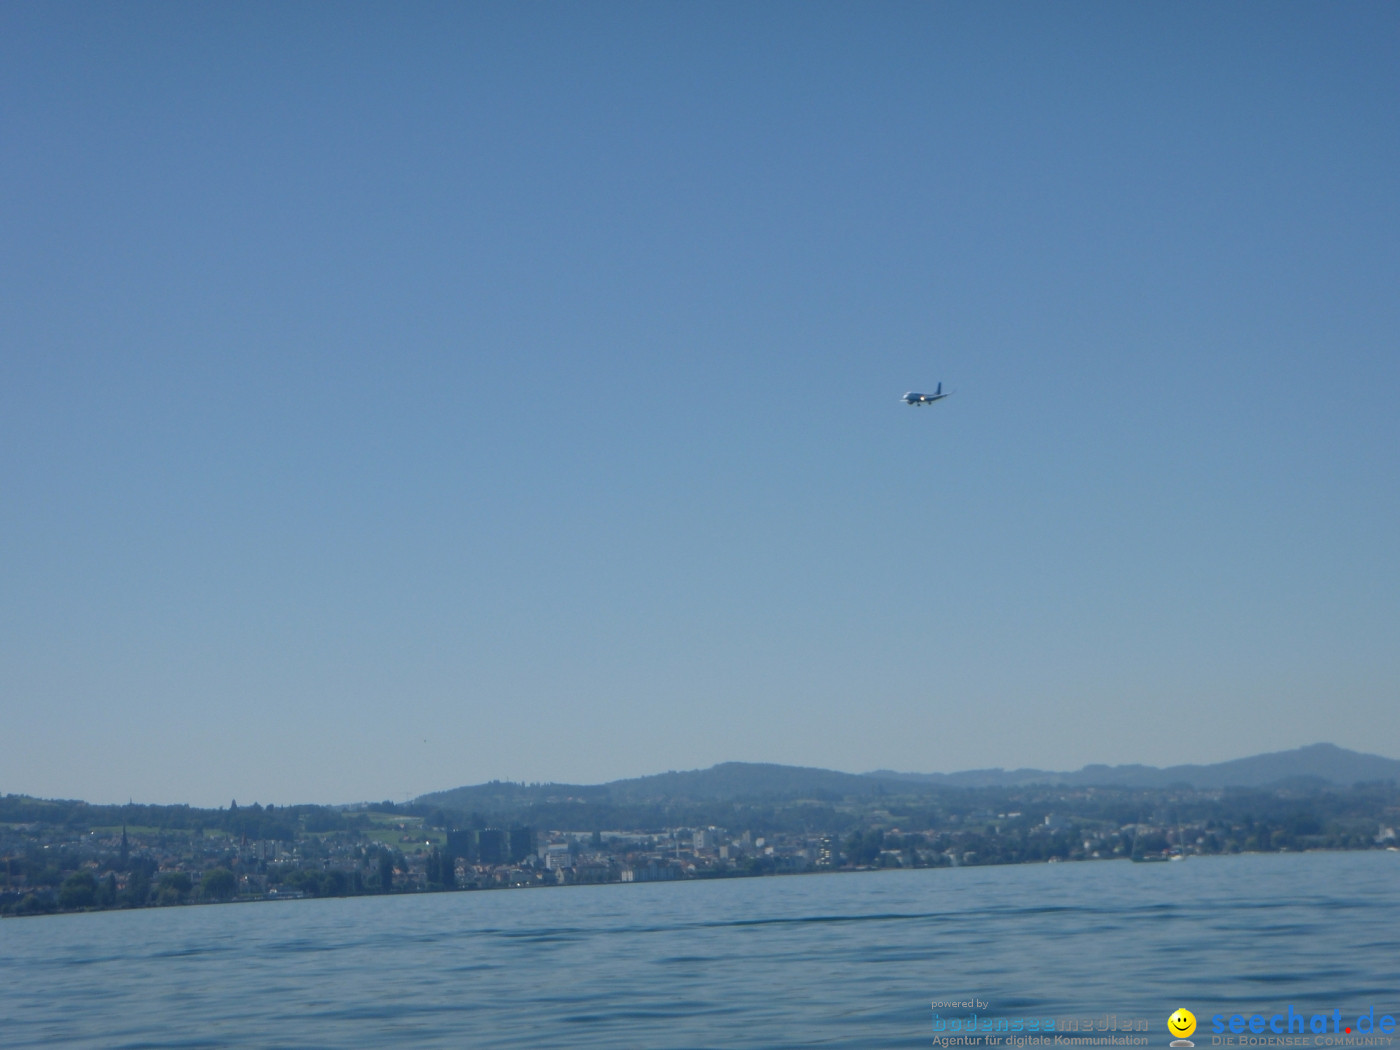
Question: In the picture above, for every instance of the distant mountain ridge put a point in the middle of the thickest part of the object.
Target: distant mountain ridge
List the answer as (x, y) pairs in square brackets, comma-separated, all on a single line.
[(1326, 763), (1316, 764)]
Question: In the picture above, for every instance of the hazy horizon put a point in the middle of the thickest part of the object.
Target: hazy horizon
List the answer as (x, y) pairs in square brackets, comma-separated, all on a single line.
[(403, 398)]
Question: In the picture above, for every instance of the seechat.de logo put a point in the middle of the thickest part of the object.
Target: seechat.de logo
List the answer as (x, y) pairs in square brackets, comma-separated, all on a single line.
[(1294, 1023)]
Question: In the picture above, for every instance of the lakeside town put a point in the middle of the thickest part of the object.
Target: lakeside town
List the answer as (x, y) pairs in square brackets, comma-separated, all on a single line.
[(70, 856)]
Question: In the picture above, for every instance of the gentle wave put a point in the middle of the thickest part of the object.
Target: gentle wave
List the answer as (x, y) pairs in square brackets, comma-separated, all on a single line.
[(848, 960)]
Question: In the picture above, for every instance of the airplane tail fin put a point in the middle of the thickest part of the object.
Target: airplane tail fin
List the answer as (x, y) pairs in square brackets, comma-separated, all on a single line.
[(939, 390)]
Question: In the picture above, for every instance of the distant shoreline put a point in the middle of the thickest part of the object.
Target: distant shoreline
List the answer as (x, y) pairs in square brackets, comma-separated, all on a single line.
[(276, 897)]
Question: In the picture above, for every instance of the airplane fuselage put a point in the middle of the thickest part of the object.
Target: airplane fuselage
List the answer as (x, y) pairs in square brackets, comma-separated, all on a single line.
[(913, 397)]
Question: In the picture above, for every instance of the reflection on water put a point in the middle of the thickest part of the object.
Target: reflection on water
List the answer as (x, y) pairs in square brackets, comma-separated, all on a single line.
[(842, 960)]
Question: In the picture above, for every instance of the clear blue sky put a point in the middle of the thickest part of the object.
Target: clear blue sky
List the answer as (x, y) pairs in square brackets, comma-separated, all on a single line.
[(400, 396)]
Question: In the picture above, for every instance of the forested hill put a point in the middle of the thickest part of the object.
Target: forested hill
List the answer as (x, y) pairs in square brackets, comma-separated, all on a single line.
[(727, 782), (668, 796), (1318, 765)]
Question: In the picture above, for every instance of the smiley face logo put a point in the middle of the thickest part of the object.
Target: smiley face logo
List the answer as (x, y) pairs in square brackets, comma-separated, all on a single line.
[(1182, 1023)]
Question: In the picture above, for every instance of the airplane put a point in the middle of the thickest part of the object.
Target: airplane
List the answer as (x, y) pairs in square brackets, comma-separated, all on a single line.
[(915, 398)]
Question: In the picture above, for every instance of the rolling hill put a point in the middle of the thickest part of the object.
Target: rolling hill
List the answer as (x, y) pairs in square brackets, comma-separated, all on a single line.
[(1316, 765)]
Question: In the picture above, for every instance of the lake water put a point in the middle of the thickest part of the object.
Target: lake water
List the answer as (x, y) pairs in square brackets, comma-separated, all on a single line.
[(839, 960)]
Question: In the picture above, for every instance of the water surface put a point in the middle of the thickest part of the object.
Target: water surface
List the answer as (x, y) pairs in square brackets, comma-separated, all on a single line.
[(839, 960)]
